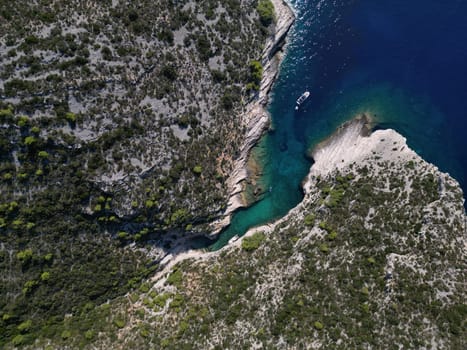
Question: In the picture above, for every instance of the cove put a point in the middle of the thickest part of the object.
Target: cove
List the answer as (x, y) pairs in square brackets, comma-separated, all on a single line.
[(403, 62)]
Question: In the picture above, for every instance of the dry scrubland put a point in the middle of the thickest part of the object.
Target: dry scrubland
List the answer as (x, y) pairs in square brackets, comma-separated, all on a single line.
[(374, 257), (119, 125)]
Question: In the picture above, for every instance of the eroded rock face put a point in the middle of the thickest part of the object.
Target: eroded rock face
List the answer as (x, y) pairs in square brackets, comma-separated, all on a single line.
[(256, 118), (373, 257)]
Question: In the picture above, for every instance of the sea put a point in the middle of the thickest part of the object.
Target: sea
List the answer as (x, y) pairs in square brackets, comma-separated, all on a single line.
[(402, 61)]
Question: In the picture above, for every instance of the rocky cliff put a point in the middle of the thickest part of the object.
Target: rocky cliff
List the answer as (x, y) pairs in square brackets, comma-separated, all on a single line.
[(256, 118)]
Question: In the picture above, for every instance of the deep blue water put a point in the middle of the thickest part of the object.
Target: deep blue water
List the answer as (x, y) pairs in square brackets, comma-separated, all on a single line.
[(403, 61)]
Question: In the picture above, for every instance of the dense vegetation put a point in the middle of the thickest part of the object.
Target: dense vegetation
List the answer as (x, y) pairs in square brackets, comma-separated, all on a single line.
[(118, 125), (265, 11)]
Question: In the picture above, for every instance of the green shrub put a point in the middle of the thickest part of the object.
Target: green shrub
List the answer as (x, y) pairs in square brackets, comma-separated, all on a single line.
[(122, 235), (48, 257), (265, 10), (332, 235), (106, 53), (309, 219), (24, 326), (45, 276), (166, 35), (256, 71), (178, 216), (204, 47), (323, 225), (177, 301), (29, 286), (253, 242), (43, 155), (175, 278), (410, 164), (252, 86), (6, 113), (324, 248), (89, 334), (30, 140), (149, 204), (183, 327), (144, 333), (65, 334), (169, 72), (24, 256), (134, 297), (335, 196), (161, 299), (144, 288), (23, 120), (318, 325), (18, 340), (119, 322), (22, 176)]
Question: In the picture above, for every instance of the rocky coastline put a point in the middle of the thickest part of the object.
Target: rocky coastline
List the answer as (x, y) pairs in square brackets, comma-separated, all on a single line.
[(256, 118), (354, 145), (397, 197), (351, 147)]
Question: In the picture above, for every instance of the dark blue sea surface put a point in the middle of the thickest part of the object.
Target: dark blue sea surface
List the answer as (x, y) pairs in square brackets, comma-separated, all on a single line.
[(402, 61)]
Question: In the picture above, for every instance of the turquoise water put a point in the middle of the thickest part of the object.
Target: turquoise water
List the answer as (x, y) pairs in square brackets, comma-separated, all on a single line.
[(404, 62)]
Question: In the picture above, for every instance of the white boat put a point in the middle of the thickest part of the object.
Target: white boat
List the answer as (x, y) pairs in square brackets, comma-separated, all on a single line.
[(233, 239), (302, 99)]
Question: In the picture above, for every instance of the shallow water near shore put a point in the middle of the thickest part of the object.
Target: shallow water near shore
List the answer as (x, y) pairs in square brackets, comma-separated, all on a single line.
[(405, 63)]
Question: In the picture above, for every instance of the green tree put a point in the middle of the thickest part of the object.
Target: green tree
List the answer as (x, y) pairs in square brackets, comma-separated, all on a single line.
[(318, 325), (309, 219), (24, 326), (253, 242), (25, 256), (23, 120), (29, 286), (43, 155), (324, 248), (71, 117), (30, 140), (45, 276), (256, 71), (265, 10)]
